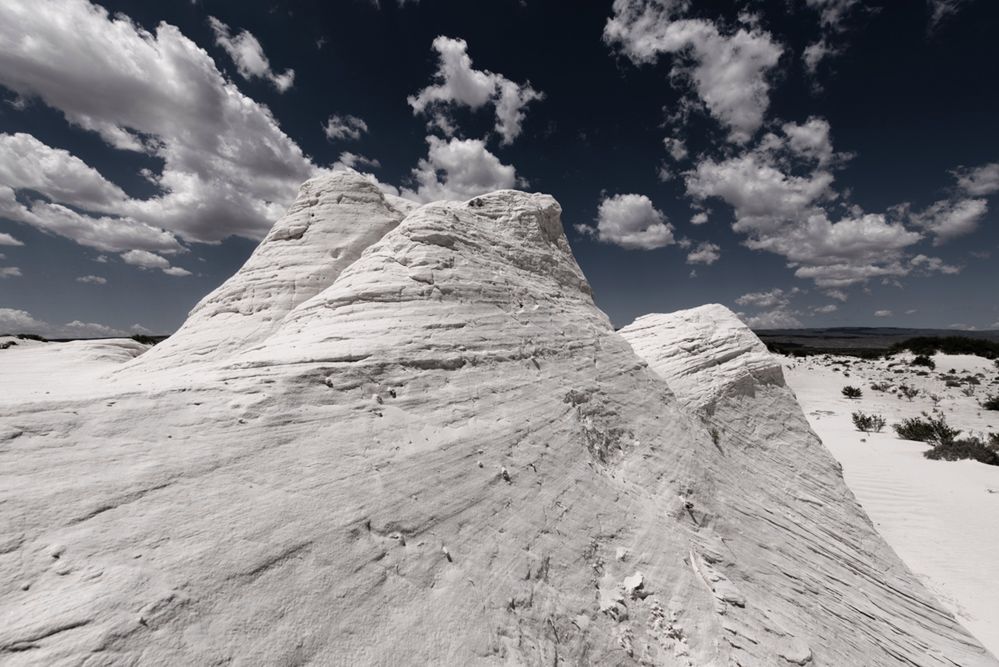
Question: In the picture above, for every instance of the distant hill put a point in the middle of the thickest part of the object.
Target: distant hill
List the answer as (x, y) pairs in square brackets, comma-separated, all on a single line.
[(853, 340)]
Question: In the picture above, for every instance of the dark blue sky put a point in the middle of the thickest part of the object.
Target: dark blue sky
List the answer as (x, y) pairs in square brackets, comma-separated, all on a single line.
[(844, 153)]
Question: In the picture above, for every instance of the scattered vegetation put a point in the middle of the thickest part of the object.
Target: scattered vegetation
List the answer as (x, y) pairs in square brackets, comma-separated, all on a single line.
[(905, 391), (924, 360), (10, 343), (927, 345), (944, 440), (868, 423), (931, 429), (991, 403), (881, 386), (852, 392), (972, 447), (32, 337)]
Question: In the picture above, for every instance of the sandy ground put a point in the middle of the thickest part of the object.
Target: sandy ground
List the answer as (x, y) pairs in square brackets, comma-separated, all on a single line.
[(33, 370), (941, 517)]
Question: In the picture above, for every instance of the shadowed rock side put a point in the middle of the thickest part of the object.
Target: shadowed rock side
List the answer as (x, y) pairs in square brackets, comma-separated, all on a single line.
[(443, 456)]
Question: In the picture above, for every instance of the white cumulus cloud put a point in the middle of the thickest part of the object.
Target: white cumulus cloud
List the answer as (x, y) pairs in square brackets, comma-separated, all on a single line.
[(630, 221), (979, 181), (769, 299), (705, 253), (781, 191), (778, 318), (245, 50), (345, 127), (950, 218), (457, 82), (458, 169), (934, 265), (16, 321), (228, 169), (728, 70), (354, 161), (150, 260)]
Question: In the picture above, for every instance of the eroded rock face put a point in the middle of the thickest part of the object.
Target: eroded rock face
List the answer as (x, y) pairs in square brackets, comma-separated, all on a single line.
[(444, 455), (775, 471), (333, 219), (704, 353)]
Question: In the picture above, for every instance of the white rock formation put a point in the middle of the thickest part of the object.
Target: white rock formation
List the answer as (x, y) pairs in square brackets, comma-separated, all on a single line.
[(335, 217), (443, 455), (703, 353)]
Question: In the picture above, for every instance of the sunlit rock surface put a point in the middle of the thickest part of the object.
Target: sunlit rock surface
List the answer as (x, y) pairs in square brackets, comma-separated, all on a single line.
[(704, 353), (438, 452), (333, 219)]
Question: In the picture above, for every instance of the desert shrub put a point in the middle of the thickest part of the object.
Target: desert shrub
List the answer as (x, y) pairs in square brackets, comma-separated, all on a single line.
[(991, 403), (10, 343), (868, 423), (905, 391), (852, 392), (32, 337), (145, 340), (924, 360), (881, 386), (932, 429), (966, 448)]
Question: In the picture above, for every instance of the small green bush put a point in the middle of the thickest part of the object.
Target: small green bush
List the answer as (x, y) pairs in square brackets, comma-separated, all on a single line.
[(930, 429), (868, 423), (966, 448), (924, 360), (946, 446), (852, 392)]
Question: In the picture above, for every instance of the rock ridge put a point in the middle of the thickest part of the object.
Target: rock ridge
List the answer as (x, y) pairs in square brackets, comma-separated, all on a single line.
[(443, 454)]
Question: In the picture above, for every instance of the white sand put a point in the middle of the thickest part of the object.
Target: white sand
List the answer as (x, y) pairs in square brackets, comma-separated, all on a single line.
[(33, 370), (941, 517)]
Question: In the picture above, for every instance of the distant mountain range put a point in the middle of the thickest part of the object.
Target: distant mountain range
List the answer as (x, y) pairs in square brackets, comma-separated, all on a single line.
[(854, 339)]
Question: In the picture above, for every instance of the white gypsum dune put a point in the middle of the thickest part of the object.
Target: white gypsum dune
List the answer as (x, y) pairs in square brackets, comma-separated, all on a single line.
[(442, 455), (940, 516)]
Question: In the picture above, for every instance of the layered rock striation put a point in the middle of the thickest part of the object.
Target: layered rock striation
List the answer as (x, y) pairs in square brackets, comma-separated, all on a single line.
[(438, 451)]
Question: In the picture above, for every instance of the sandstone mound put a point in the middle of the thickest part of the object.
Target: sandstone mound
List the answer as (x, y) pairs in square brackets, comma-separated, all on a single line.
[(443, 454), (333, 219)]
